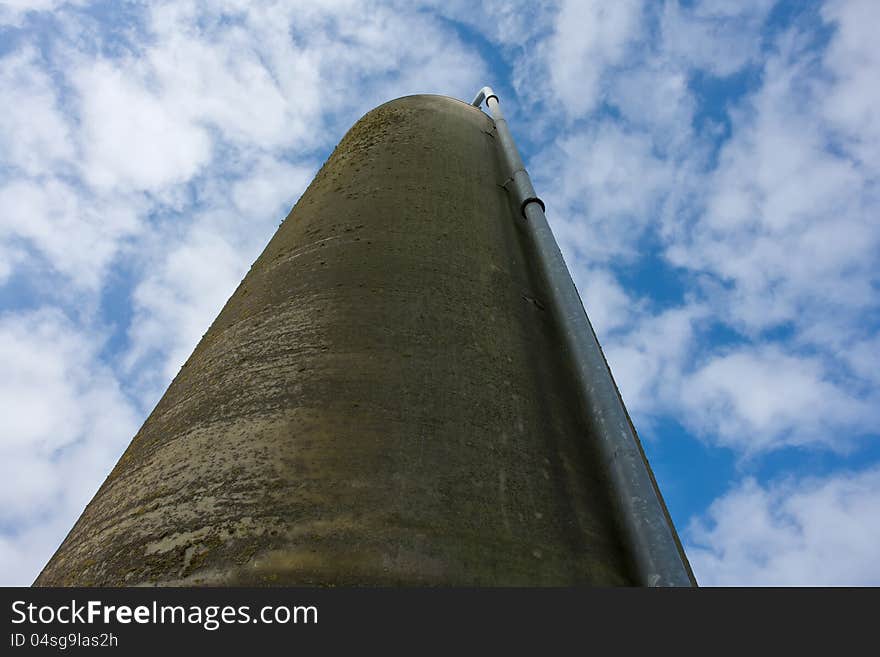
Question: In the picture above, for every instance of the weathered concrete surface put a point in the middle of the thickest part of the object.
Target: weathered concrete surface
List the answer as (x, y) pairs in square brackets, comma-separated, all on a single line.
[(381, 401)]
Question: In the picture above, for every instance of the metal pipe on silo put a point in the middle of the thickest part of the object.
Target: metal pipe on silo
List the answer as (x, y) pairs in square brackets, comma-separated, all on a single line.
[(653, 541)]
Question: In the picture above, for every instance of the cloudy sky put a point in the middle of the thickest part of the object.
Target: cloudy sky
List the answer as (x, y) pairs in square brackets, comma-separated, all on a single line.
[(711, 169)]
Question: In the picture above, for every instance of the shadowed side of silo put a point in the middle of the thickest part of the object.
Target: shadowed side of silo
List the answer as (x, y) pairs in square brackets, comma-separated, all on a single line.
[(381, 401)]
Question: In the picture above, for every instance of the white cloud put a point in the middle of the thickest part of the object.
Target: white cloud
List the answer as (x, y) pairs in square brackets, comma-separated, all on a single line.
[(753, 399), (35, 136), (65, 422), (247, 80), (789, 220), (511, 23), (820, 532), (78, 235), (853, 58), (133, 137), (656, 97), (271, 189), (863, 359), (589, 37), (10, 257), (15, 12), (759, 399), (714, 35)]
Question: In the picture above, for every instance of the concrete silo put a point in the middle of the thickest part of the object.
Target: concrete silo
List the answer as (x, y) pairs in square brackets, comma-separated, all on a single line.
[(389, 397)]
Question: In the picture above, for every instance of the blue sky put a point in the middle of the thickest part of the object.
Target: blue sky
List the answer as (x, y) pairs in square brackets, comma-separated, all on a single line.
[(710, 170)]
